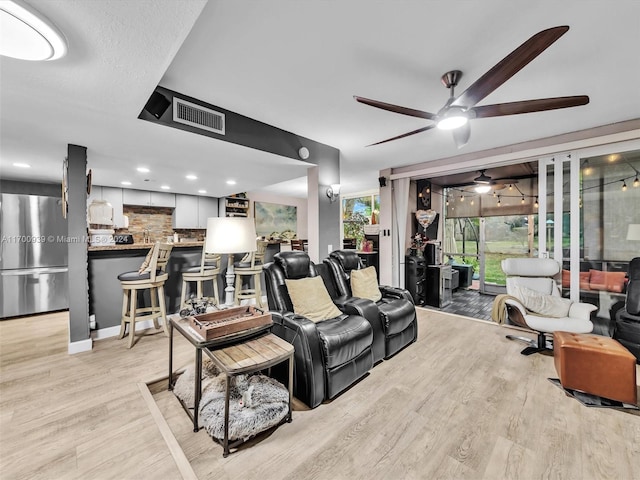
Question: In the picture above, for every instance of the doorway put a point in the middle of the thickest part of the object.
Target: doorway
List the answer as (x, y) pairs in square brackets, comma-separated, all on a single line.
[(483, 242)]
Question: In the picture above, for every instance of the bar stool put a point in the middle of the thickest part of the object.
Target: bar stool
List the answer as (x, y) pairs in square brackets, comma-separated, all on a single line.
[(250, 266), (208, 270), (152, 276)]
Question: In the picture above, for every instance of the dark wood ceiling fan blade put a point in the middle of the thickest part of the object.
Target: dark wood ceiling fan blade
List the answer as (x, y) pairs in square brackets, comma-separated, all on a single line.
[(509, 66), (412, 112), (528, 106), (420, 130)]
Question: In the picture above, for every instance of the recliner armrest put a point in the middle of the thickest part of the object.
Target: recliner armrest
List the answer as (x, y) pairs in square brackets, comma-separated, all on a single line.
[(515, 303), (309, 365), (581, 310), (369, 310), (395, 292), (623, 315)]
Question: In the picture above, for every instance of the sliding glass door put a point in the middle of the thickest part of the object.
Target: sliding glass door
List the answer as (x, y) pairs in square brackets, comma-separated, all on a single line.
[(490, 226)]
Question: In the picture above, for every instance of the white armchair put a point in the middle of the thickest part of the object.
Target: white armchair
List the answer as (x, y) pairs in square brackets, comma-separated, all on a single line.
[(536, 274)]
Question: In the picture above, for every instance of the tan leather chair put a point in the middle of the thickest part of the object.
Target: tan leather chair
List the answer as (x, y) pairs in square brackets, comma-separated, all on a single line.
[(152, 276), (207, 271)]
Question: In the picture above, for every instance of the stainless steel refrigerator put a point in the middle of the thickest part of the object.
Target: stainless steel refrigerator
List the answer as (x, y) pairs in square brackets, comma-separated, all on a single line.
[(33, 255)]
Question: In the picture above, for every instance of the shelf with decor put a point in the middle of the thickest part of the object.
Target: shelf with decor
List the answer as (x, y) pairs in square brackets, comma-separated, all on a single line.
[(236, 207)]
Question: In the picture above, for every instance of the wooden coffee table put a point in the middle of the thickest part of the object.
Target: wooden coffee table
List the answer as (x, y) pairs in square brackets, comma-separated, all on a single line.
[(248, 357)]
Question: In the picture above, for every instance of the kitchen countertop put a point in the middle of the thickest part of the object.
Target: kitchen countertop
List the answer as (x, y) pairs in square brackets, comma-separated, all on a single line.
[(139, 246)]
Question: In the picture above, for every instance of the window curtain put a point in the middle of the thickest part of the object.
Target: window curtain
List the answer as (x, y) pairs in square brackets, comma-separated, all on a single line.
[(401, 211)]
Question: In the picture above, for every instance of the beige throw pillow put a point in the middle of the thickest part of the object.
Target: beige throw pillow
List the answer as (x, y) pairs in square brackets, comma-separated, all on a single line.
[(541, 303), (311, 299), (364, 284)]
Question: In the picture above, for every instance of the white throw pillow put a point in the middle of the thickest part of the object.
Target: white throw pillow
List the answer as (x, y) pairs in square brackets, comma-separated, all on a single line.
[(541, 303)]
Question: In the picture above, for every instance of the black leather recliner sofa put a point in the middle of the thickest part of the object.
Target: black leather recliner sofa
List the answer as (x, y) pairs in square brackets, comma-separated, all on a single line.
[(627, 329), (395, 312), (329, 355)]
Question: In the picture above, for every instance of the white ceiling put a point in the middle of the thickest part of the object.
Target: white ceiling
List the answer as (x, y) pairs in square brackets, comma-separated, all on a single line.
[(296, 65)]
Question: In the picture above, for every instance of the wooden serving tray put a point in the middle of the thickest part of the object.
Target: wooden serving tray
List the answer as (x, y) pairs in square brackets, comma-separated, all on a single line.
[(226, 322)]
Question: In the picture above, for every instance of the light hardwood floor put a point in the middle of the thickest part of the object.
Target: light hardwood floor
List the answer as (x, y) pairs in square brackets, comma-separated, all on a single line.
[(459, 403)]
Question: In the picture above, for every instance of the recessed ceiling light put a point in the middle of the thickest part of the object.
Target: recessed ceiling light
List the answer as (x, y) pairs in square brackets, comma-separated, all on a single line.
[(202, 191), (143, 169), (191, 177), (28, 35), (165, 187), (231, 182), (22, 165), (125, 183)]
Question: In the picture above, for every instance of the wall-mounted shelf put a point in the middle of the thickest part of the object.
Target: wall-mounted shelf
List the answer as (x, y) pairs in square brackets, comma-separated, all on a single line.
[(236, 207)]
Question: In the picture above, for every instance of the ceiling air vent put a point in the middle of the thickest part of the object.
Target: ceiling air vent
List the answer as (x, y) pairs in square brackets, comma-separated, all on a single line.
[(198, 116)]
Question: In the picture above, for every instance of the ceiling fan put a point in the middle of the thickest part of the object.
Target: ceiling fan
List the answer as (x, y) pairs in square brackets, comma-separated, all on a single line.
[(457, 111), (483, 183)]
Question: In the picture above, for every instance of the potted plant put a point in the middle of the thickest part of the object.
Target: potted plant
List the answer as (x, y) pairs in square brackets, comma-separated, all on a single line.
[(354, 227)]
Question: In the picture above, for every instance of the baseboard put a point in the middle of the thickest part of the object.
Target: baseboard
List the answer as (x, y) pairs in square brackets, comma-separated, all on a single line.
[(105, 332), (81, 346), (109, 332)]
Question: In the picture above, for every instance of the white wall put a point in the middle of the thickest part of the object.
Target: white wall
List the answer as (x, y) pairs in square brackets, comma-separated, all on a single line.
[(300, 203)]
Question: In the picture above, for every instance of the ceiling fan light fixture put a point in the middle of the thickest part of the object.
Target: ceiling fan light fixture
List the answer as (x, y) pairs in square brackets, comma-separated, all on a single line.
[(482, 188), (452, 119)]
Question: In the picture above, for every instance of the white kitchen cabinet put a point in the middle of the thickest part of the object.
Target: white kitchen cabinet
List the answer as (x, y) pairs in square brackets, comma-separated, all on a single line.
[(96, 194), (207, 207), (136, 197), (163, 199), (185, 214), (192, 211), (113, 195), (148, 199)]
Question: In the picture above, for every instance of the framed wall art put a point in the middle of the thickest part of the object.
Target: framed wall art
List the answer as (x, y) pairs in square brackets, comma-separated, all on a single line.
[(275, 220)]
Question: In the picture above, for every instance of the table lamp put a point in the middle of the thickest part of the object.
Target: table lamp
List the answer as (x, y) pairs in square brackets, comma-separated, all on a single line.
[(229, 235)]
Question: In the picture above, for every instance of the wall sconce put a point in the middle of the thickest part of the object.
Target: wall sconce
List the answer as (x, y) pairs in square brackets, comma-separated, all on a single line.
[(333, 192)]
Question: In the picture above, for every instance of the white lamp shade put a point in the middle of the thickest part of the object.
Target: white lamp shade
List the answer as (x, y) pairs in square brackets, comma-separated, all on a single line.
[(634, 231), (230, 235)]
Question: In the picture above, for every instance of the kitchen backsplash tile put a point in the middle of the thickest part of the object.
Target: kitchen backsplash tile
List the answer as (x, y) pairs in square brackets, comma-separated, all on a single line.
[(157, 221)]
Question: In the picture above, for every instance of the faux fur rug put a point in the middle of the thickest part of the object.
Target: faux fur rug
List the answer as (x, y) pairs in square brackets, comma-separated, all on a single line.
[(184, 386), (256, 402)]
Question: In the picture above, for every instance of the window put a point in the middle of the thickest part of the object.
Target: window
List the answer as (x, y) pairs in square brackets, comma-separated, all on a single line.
[(357, 212), (610, 196)]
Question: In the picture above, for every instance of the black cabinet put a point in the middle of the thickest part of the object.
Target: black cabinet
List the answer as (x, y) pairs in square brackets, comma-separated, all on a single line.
[(438, 285), (414, 273)]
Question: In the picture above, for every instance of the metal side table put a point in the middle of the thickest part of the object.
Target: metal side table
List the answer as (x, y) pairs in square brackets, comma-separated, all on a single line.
[(183, 327), (248, 357)]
